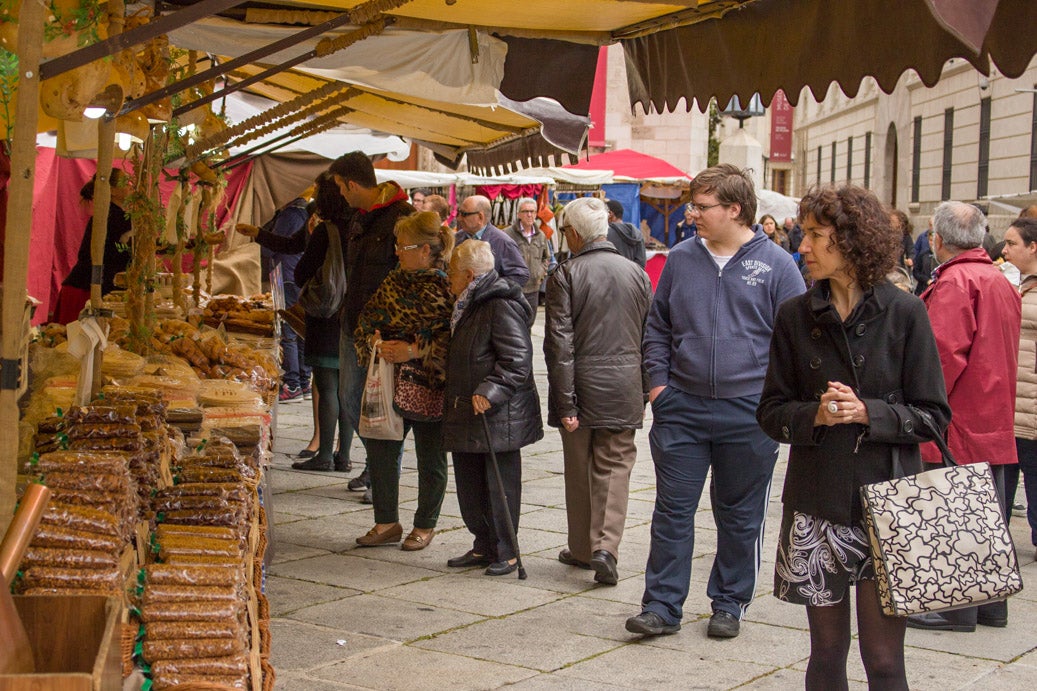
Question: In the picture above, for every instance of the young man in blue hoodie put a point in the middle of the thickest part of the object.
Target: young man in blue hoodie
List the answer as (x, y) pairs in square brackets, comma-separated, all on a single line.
[(706, 352)]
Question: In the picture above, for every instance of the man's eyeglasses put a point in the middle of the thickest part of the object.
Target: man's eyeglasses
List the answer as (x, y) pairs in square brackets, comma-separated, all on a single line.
[(702, 208), (467, 213), (528, 211), (404, 248)]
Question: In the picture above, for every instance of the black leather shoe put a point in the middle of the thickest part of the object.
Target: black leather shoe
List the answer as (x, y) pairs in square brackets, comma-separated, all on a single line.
[(604, 565), (651, 624), (567, 558), (934, 621), (723, 625), (359, 483), (306, 453), (314, 463), (342, 466), (469, 558), (993, 614), (500, 568)]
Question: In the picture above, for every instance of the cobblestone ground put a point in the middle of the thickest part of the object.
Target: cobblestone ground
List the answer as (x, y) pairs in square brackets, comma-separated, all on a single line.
[(380, 618)]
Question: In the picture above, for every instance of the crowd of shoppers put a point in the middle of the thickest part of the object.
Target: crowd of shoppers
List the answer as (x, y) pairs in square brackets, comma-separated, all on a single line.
[(732, 356)]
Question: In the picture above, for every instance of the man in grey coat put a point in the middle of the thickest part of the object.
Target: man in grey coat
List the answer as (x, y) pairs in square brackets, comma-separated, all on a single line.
[(533, 245), (597, 304)]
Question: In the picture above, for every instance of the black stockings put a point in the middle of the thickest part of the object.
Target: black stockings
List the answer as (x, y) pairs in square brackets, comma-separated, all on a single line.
[(881, 641)]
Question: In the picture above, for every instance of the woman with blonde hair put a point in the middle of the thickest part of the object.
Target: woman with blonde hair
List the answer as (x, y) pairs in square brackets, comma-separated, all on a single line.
[(408, 317)]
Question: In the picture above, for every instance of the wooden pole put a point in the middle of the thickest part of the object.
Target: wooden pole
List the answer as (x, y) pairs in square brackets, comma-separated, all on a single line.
[(16, 245)]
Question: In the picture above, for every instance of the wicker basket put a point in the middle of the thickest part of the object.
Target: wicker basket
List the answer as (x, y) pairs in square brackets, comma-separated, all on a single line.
[(263, 608), (264, 638), (268, 676), (127, 643)]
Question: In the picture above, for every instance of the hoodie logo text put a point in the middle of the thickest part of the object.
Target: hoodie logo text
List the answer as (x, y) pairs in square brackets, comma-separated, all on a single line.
[(756, 272)]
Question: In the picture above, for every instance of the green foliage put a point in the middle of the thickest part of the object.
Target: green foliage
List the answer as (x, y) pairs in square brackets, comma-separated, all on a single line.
[(83, 18), (8, 89), (713, 153)]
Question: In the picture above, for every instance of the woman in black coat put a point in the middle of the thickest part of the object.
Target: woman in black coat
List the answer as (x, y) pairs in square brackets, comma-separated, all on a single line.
[(322, 334), (853, 366), (489, 372)]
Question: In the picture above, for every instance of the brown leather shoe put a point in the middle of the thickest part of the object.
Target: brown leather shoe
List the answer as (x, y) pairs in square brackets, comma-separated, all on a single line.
[(419, 538), (374, 538)]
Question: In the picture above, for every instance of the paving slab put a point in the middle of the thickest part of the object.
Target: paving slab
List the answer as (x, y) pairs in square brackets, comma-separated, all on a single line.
[(289, 594), (489, 597), (384, 617), (414, 669), (298, 646), (644, 667)]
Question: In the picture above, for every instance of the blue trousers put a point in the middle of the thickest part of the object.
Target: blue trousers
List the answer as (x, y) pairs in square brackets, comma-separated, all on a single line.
[(690, 435), (351, 378), (296, 372)]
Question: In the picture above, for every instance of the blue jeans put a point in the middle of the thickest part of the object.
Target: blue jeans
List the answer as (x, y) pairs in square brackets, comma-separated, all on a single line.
[(690, 435), (296, 373), (351, 378)]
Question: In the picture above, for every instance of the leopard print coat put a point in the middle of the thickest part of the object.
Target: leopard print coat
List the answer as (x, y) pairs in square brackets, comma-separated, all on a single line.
[(409, 306)]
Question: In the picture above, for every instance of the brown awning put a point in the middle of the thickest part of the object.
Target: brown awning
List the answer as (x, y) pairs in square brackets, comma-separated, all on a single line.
[(790, 44)]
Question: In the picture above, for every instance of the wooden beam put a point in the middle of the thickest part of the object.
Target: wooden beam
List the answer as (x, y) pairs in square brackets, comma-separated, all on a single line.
[(142, 34), (245, 59), (16, 245)]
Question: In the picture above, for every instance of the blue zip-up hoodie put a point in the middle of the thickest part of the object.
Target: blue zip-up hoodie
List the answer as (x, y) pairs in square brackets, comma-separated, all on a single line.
[(709, 331)]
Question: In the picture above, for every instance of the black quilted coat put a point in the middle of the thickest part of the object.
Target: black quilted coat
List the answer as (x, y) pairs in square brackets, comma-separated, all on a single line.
[(885, 350), (491, 355)]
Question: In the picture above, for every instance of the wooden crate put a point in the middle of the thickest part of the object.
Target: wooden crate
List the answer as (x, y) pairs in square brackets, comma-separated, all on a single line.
[(75, 641)]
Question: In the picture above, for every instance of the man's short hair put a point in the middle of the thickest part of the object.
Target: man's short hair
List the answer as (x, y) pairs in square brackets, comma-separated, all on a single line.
[(959, 225), (422, 191), (355, 166), (473, 254), (588, 216), (730, 185), (437, 203), (615, 207), (526, 200)]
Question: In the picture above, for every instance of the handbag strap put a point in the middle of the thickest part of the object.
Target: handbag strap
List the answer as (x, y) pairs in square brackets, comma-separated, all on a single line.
[(936, 435)]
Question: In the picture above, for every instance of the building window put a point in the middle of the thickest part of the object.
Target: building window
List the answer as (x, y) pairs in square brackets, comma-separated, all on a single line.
[(1033, 145), (833, 161), (867, 159), (983, 173), (780, 181), (849, 158), (948, 151), (916, 159), (819, 161)]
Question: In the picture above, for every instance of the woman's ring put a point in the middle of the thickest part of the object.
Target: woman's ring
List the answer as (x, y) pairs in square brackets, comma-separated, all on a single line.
[(833, 407)]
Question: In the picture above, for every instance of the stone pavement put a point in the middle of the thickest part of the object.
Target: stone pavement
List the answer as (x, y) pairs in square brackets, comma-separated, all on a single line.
[(379, 618)]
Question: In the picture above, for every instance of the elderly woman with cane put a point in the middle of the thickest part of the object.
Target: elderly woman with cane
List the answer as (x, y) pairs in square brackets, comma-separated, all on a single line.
[(489, 373)]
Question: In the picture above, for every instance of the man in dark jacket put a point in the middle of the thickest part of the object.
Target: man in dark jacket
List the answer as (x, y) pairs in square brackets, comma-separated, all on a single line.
[(473, 221), (596, 309), (627, 239), (289, 222), (370, 256), (706, 350)]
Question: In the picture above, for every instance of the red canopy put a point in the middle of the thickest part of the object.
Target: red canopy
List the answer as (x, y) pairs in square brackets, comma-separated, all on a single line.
[(631, 164)]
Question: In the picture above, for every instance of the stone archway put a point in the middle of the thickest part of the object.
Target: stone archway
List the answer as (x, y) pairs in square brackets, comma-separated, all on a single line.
[(890, 166)]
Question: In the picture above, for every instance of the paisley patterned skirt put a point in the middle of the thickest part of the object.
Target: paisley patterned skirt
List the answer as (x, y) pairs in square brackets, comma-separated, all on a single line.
[(818, 560)]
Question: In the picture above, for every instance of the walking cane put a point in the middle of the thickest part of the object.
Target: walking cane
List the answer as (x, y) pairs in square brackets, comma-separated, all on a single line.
[(504, 498)]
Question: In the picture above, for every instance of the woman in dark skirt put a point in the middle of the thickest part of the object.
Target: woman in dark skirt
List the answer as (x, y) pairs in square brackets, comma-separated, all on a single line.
[(853, 367)]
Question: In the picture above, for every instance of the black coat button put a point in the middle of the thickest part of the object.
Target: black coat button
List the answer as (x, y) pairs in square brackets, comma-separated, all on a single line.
[(909, 426), (815, 362), (858, 361), (861, 328), (892, 398), (815, 333), (786, 432)]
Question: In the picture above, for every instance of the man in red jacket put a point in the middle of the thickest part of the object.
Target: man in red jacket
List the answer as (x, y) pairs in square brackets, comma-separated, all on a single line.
[(976, 314)]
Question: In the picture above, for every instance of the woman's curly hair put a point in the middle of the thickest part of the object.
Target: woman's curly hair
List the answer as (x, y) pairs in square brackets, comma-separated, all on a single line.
[(861, 229)]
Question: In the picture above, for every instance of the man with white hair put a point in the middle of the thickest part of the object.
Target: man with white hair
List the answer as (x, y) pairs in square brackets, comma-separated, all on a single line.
[(473, 221), (597, 303), (976, 315), (532, 243)]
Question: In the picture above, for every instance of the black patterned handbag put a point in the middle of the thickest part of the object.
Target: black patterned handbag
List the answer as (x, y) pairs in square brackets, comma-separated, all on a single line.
[(939, 539), (415, 396)]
